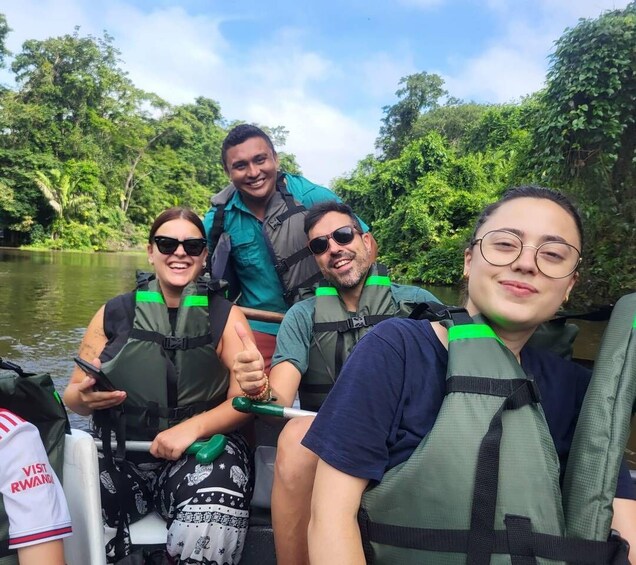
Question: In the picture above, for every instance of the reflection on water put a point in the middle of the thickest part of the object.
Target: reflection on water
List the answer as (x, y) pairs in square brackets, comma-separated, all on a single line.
[(47, 299)]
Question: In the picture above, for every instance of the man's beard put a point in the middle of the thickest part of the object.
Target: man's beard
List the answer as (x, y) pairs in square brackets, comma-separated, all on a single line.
[(355, 276)]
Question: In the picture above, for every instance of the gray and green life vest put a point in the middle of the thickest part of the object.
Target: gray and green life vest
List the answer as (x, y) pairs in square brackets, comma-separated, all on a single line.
[(32, 397), (482, 488), (168, 375), (603, 428), (283, 230), (336, 331)]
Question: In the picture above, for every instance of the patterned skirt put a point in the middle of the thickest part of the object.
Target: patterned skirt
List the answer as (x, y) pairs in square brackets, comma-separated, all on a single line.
[(206, 506)]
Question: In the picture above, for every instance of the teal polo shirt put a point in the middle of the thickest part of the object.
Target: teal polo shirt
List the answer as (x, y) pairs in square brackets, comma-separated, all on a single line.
[(260, 285)]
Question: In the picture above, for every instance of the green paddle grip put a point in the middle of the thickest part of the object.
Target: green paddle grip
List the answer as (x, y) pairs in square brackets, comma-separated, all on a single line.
[(243, 404), (207, 451)]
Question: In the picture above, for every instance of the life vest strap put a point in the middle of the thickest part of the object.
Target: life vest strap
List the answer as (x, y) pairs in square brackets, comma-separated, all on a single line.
[(493, 387), (353, 323), (321, 388), (171, 413), (516, 540), (292, 208), (290, 295), (436, 312), (486, 484), (170, 342), (287, 263)]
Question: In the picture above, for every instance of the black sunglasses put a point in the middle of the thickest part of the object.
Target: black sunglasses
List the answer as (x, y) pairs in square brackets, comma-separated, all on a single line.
[(342, 236), (168, 245)]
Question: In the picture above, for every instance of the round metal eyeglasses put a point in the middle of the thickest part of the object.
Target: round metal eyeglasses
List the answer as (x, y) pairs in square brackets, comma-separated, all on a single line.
[(555, 259)]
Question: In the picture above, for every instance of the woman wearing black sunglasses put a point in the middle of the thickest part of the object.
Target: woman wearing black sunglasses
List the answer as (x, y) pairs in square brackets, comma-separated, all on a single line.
[(169, 358)]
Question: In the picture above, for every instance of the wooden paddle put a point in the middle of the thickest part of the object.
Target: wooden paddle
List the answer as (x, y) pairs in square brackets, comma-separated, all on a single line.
[(262, 315)]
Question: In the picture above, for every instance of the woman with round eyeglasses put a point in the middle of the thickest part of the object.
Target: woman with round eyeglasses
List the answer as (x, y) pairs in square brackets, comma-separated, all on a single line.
[(520, 266), (168, 348)]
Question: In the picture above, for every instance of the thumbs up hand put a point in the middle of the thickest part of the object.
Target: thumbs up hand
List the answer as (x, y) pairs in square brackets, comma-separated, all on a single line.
[(248, 364)]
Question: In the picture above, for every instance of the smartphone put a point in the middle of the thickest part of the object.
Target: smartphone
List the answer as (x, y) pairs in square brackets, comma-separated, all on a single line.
[(101, 380)]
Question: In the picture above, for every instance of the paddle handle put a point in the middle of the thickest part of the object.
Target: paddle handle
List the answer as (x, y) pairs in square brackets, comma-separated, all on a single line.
[(208, 450), (205, 451), (246, 405), (262, 315)]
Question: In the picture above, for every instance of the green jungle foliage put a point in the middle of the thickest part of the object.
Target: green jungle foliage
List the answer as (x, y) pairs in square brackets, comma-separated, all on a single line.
[(440, 163), (87, 160)]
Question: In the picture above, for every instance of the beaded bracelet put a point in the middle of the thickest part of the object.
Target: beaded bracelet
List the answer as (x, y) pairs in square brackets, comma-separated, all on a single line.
[(263, 395)]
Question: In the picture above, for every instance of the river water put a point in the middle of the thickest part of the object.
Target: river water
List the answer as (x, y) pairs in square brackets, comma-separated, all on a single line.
[(47, 299)]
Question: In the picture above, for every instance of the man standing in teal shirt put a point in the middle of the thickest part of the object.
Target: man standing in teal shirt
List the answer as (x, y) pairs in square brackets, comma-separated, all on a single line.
[(264, 227)]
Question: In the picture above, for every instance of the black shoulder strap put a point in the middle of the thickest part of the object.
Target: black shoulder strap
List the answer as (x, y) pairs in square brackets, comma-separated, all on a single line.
[(219, 200), (8, 366), (142, 278), (436, 312), (293, 207), (217, 226), (218, 311)]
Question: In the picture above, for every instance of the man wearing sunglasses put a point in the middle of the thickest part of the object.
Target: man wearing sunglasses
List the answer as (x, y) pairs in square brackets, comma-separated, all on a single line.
[(255, 227), (316, 336)]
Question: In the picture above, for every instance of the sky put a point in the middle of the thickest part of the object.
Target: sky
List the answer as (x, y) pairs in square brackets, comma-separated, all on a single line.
[(323, 69)]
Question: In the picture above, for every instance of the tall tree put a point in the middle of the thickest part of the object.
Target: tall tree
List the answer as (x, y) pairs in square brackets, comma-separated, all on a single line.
[(71, 85), (587, 126), (4, 31), (586, 140), (421, 92), (62, 195)]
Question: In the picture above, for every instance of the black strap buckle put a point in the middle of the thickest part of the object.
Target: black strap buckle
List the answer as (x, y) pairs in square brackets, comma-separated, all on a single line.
[(181, 413), (535, 393), (275, 222), (281, 267), (172, 342), (357, 322), (215, 285)]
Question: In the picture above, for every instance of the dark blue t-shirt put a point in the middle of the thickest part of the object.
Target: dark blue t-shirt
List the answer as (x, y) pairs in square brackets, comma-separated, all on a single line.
[(390, 391)]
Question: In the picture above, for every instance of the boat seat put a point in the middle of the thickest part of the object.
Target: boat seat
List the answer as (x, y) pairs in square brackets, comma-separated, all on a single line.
[(86, 546), (80, 481)]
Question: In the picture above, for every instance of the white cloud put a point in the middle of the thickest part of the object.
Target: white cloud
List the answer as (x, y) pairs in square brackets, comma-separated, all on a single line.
[(579, 9), (181, 56), (515, 64), (326, 142), (507, 70), (381, 73), (499, 75)]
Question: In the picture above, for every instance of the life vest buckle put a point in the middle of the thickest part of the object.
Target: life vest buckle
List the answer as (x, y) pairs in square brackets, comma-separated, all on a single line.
[(281, 267), (275, 222), (535, 393), (357, 322), (171, 342)]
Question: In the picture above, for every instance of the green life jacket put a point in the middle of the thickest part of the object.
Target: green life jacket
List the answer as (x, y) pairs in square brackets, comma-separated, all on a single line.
[(336, 331), (603, 428), (168, 376), (32, 397), (452, 502), (283, 230)]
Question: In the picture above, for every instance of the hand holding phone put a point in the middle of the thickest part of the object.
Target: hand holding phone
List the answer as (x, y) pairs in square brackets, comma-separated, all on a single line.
[(101, 380)]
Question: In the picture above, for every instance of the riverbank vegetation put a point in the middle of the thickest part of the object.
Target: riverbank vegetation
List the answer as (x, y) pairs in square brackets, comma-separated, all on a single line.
[(87, 159)]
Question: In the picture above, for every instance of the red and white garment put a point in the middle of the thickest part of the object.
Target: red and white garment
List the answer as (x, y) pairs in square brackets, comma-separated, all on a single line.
[(32, 495)]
